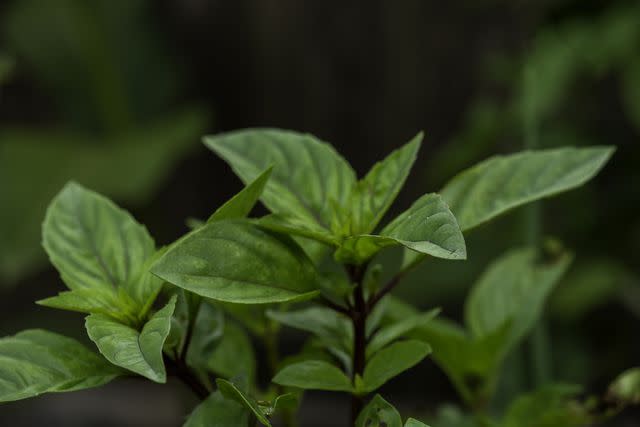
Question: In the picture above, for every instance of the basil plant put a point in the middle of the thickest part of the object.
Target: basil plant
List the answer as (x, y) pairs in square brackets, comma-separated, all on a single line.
[(194, 309)]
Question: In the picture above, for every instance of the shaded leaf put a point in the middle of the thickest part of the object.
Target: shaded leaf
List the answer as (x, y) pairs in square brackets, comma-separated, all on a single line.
[(501, 183), (392, 361), (33, 362), (313, 375), (397, 330), (230, 391), (217, 411), (233, 356), (237, 262), (139, 352), (379, 413)]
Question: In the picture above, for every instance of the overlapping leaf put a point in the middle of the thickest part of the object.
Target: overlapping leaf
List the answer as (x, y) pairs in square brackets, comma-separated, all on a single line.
[(313, 375), (36, 361), (237, 262)]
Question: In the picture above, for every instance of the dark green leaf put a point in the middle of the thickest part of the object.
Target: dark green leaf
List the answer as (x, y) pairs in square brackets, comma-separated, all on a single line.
[(230, 391), (397, 330), (513, 289), (36, 361), (217, 411), (240, 205), (139, 352), (313, 375), (502, 183), (379, 413), (308, 174), (237, 262), (378, 189), (233, 356), (392, 361)]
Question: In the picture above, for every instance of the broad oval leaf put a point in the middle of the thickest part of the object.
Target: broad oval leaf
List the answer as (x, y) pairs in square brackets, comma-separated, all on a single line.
[(513, 289), (217, 411), (379, 413), (234, 355), (235, 261), (379, 188), (92, 242), (240, 205), (33, 362), (308, 175), (232, 392), (501, 183), (139, 352), (313, 375), (392, 361)]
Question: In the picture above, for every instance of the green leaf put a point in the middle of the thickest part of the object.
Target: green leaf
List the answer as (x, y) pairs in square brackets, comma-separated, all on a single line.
[(513, 289), (414, 423), (139, 352), (396, 330), (376, 192), (626, 388), (292, 225), (334, 329), (392, 361), (207, 333), (549, 406), (33, 362), (235, 261), (379, 413), (92, 242), (313, 375), (240, 205), (233, 356), (230, 391), (427, 227), (501, 183), (308, 175), (217, 411)]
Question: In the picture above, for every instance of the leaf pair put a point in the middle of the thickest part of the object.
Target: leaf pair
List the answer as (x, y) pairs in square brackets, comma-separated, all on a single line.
[(314, 194), (383, 366)]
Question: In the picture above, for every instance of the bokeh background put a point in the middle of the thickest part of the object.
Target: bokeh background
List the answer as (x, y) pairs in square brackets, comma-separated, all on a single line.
[(116, 94)]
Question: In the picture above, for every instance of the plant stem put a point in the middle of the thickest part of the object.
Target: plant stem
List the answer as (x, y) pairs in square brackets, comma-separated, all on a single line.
[(179, 369), (358, 315)]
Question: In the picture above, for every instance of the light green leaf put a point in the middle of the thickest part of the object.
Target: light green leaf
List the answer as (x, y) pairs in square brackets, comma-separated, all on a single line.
[(414, 423), (626, 388), (235, 261), (392, 361), (139, 352), (502, 183), (92, 242), (378, 189), (240, 205), (230, 391), (427, 227), (379, 413), (513, 289), (294, 226), (35, 361), (396, 330), (313, 375), (217, 411), (308, 175), (233, 356), (107, 301)]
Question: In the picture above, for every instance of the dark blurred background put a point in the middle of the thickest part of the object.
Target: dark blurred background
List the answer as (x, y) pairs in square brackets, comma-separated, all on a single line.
[(116, 94)]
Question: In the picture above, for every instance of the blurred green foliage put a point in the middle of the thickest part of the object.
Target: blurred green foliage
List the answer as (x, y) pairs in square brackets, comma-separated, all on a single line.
[(111, 88)]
